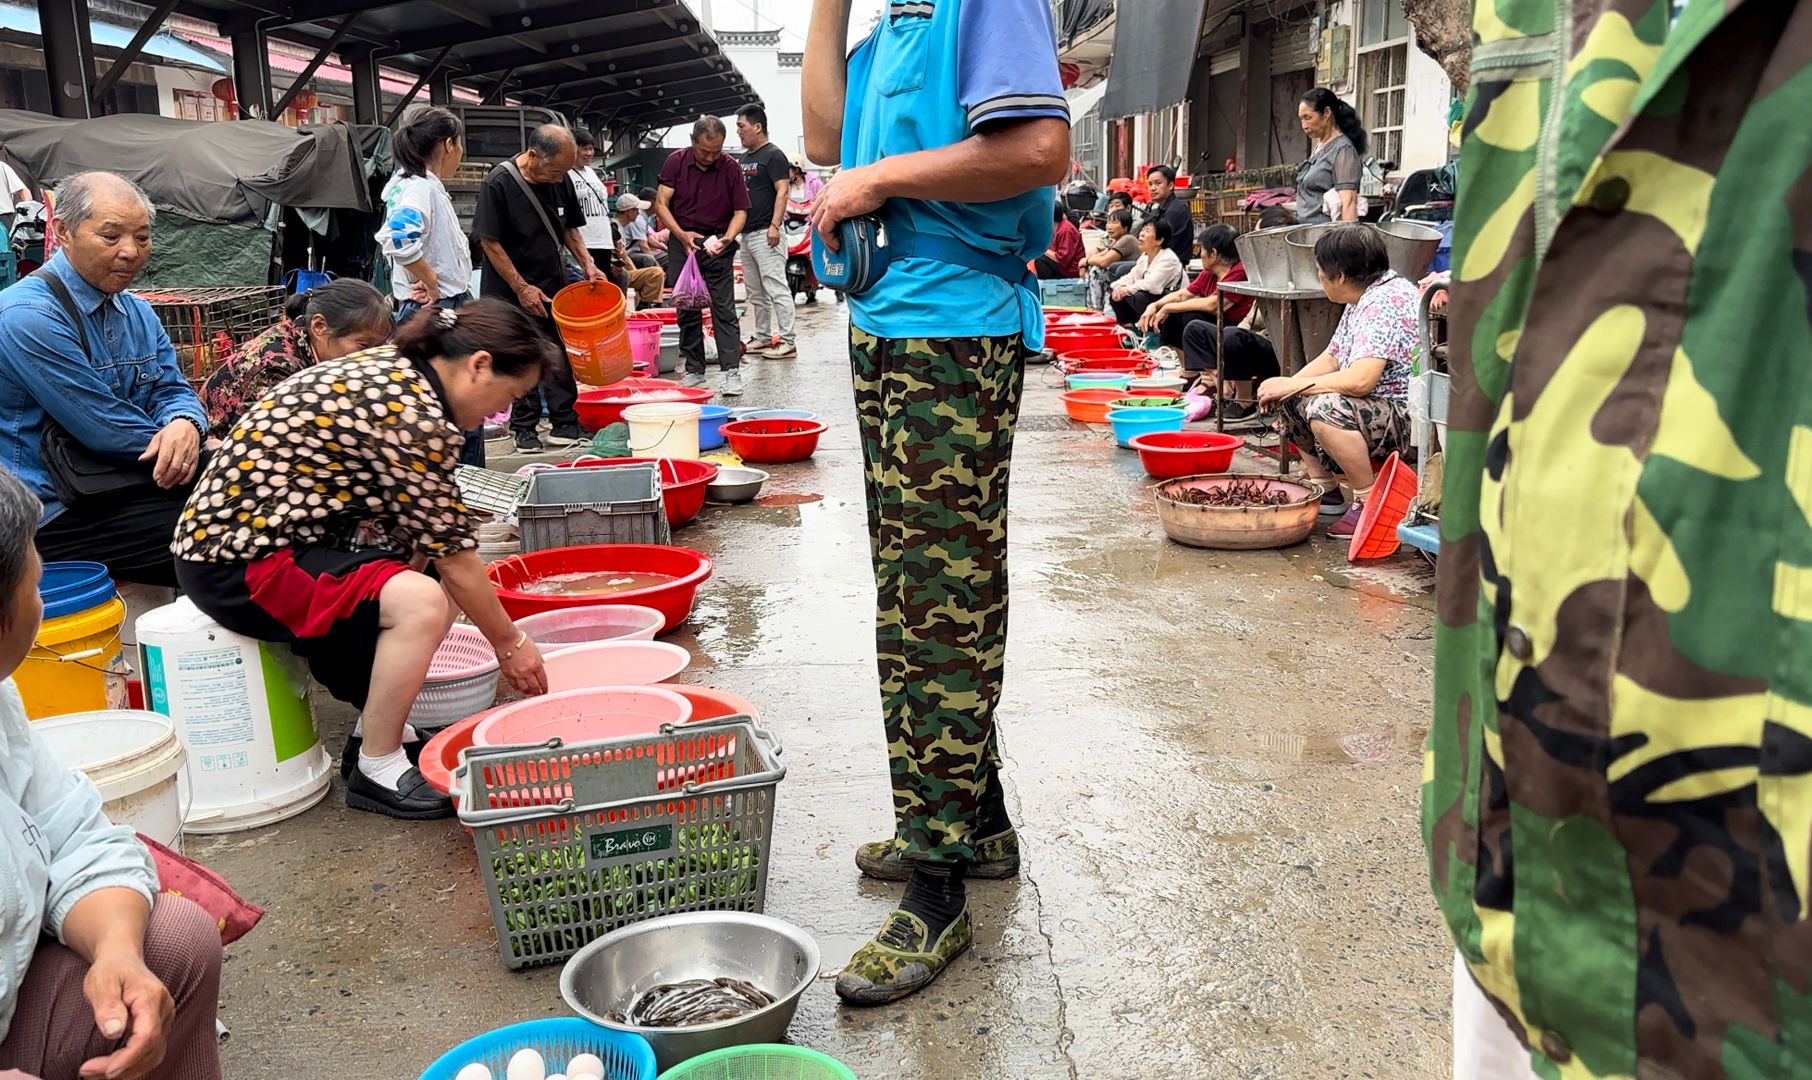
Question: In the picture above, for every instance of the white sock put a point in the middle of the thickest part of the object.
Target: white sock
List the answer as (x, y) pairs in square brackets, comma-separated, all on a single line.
[(387, 770), (409, 733)]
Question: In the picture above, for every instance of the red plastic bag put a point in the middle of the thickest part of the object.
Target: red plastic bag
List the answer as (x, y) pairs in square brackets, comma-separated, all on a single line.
[(690, 293), (181, 876)]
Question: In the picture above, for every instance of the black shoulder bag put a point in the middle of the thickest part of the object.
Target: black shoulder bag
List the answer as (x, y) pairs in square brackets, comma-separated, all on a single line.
[(574, 274), (77, 474)]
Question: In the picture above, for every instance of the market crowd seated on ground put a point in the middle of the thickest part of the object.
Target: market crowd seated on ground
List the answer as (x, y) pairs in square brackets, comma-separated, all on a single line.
[(100, 974), (325, 323), (1198, 301), (87, 371), (1115, 258), (1157, 271), (1350, 405)]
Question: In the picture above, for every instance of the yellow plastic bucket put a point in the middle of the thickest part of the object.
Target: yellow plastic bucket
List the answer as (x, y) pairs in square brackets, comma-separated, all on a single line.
[(77, 663)]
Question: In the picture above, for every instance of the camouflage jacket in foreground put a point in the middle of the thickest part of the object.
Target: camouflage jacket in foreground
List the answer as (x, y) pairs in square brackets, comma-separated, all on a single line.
[(1618, 791)]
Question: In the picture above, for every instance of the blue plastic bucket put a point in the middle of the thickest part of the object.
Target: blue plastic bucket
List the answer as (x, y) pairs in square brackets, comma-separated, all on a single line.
[(69, 587), (1142, 421), (711, 424)]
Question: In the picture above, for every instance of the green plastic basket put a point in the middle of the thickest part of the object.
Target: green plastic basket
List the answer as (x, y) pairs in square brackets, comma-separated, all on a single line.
[(763, 1061)]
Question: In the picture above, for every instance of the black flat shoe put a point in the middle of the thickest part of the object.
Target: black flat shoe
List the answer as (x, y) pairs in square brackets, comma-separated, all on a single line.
[(349, 756), (414, 800)]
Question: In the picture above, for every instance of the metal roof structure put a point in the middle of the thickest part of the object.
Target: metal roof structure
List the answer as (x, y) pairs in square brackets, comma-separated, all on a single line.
[(619, 65)]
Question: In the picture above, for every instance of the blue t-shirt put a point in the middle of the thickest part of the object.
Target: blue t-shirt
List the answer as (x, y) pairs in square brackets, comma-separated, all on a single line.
[(932, 73)]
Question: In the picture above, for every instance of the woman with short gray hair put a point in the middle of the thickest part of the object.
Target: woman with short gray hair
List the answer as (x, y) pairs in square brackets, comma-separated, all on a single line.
[(99, 973)]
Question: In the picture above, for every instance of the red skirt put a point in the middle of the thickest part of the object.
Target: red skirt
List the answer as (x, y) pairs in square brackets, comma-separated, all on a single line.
[(320, 601)]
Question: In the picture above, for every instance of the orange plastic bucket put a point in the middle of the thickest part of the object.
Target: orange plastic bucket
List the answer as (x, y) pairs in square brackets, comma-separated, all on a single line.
[(591, 321)]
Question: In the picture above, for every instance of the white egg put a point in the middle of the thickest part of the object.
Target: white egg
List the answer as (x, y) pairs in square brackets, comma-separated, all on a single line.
[(557, 1076), (526, 1065), (585, 1065), (474, 1071)]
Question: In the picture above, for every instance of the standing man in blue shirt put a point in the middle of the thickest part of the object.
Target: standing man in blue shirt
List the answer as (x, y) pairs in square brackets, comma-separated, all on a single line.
[(950, 123), (108, 376)]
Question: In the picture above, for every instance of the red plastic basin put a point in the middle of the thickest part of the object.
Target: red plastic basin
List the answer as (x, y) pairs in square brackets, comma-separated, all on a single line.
[(1106, 361), (1060, 340), (1167, 455), (673, 599), (1055, 318), (602, 406), (774, 442), (683, 482)]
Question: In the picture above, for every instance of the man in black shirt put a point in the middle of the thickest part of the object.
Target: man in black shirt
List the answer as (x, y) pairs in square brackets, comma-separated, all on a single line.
[(1162, 181), (524, 245), (769, 174)]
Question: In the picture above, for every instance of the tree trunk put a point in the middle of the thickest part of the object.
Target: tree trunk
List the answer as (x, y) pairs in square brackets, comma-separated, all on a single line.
[(1444, 32)]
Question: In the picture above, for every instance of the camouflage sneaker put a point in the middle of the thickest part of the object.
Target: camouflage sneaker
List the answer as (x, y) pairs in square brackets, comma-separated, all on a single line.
[(996, 856), (899, 961)]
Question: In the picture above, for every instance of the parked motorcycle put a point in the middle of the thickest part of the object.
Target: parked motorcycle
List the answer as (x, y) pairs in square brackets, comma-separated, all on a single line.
[(796, 234)]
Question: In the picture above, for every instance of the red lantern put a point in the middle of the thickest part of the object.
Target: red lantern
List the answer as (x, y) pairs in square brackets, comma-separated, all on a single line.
[(224, 90), (305, 100), (1070, 72)]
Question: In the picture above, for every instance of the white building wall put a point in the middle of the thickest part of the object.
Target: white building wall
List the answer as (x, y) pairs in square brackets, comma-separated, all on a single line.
[(1425, 105), (170, 79)]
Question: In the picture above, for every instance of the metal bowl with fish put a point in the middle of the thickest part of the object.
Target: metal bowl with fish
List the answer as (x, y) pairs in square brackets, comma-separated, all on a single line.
[(648, 970)]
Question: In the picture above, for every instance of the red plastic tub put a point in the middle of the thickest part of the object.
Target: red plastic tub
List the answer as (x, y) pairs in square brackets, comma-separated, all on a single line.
[(1061, 340), (1106, 361), (1056, 318), (683, 482), (1167, 455), (673, 599), (774, 442), (603, 406)]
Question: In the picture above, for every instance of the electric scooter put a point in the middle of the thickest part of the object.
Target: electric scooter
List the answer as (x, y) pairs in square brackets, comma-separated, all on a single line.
[(796, 234)]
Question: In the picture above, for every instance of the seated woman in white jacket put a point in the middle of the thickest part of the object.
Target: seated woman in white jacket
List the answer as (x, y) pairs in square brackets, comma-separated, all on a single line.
[(99, 975), (1157, 273)]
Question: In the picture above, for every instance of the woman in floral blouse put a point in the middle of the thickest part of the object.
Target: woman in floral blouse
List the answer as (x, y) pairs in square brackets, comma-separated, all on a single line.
[(267, 548), (327, 323), (1351, 404)]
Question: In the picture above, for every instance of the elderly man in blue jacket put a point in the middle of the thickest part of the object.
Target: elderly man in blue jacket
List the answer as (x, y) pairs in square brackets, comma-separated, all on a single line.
[(79, 351)]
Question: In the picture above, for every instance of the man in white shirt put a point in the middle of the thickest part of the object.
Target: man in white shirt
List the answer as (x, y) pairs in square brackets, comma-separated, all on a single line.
[(594, 199)]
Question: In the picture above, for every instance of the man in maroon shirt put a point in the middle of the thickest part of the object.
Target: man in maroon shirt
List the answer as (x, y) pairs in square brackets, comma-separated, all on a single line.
[(1063, 259), (704, 200)]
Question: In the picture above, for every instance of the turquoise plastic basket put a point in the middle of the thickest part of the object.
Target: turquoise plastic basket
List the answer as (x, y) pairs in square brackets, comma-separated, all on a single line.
[(762, 1061), (625, 1056)]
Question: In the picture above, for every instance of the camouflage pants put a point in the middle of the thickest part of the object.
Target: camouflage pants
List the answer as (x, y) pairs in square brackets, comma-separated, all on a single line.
[(937, 420)]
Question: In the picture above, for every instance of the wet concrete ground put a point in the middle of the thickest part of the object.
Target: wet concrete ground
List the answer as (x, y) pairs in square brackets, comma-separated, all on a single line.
[(1213, 758)]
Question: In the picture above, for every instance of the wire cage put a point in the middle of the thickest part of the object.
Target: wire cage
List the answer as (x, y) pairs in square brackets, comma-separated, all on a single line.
[(206, 325)]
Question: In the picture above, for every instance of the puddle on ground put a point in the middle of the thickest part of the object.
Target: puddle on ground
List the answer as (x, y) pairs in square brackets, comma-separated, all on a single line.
[(789, 499)]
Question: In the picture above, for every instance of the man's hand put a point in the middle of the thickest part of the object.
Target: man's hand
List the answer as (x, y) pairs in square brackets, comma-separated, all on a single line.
[(533, 300), (592, 273), (688, 240), (525, 671), (175, 450), (849, 194), (774, 235), (128, 1002)]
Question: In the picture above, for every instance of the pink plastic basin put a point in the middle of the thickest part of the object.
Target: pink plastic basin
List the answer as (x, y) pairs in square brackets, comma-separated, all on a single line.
[(613, 663), (595, 622), (574, 716)]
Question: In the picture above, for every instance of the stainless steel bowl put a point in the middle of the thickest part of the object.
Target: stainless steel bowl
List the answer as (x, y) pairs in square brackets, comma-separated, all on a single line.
[(735, 485), (777, 956)]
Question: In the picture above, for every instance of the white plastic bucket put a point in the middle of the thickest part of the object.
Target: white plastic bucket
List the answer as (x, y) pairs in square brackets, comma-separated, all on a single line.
[(663, 429), (241, 710), (135, 758)]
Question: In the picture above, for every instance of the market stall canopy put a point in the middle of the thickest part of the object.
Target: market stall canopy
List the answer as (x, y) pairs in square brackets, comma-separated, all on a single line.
[(226, 172), (1154, 53), (610, 63)]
